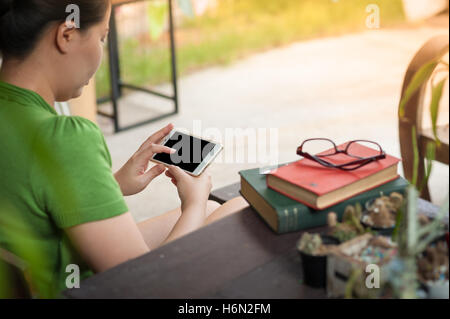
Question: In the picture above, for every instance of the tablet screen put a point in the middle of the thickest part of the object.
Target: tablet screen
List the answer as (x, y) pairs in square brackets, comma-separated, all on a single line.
[(191, 151)]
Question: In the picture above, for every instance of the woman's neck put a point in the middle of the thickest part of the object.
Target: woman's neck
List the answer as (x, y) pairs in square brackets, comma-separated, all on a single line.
[(27, 74)]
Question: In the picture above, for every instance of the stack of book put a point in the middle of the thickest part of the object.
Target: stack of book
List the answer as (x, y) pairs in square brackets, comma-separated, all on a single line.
[(300, 195)]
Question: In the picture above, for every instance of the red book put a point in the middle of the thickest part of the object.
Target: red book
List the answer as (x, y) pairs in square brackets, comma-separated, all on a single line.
[(320, 187)]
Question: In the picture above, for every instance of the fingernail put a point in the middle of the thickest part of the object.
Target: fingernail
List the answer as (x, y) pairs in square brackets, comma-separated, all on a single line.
[(172, 150)]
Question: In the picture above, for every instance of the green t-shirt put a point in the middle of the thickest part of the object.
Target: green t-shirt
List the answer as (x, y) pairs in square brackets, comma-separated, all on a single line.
[(55, 173)]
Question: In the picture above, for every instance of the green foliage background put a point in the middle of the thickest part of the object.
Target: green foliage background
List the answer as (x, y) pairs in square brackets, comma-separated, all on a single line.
[(237, 28)]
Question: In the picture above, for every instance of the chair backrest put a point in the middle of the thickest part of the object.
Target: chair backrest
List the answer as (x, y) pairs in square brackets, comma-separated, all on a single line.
[(13, 269), (432, 49), (413, 113), (62, 108)]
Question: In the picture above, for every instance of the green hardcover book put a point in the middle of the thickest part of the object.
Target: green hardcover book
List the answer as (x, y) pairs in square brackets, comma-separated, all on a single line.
[(285, 215)]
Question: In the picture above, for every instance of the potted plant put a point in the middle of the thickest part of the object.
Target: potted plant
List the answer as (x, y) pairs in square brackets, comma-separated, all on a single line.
[(380, 213), (433, 269), (313, 250), (350, 227), (347, 265), (412, 237)]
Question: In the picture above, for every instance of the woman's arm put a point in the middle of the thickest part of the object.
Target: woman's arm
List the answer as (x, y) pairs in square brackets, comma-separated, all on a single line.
[(192, 218), (193, 193), (106, 243)]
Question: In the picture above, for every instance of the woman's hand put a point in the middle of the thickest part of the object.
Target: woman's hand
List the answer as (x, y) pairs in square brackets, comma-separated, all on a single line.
[(133, 177), (193, 191)]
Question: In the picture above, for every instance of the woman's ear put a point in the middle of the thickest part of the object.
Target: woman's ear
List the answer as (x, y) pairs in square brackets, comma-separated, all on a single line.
[(65, 36)]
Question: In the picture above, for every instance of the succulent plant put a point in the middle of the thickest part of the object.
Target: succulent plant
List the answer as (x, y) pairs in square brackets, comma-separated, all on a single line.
[(413, 239), (309, 243), (381, 212), (350, 226), (344, 235)]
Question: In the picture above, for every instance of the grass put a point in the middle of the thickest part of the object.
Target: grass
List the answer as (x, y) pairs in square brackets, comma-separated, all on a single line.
[(237, 28)]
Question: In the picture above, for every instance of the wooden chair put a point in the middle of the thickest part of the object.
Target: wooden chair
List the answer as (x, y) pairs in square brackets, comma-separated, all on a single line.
[(414, 114), (13, 268)]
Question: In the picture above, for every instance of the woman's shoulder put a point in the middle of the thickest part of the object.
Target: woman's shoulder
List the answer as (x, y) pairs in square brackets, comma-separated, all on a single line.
[(70, 124), (70, 136), (71, 139), (64, 128)]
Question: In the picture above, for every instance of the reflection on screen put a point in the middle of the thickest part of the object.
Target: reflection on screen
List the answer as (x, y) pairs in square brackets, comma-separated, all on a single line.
[(191, 151)]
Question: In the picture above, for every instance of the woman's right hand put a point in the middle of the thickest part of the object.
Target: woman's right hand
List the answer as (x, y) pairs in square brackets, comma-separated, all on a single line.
[(191, 190)]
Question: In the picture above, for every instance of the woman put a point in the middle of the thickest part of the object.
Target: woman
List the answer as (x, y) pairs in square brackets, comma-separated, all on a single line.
[(55, 171)]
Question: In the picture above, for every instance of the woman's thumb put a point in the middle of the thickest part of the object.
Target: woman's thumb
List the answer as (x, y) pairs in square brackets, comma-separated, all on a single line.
[(175, 171)]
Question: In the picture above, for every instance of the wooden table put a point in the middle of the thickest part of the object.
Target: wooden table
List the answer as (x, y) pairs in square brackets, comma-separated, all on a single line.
[(236, 257)]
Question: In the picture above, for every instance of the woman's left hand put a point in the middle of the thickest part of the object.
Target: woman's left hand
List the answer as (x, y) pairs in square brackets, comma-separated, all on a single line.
[(133, 177)]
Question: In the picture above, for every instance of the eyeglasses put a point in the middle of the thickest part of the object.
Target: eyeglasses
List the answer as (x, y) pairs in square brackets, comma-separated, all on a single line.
[(330, 149)]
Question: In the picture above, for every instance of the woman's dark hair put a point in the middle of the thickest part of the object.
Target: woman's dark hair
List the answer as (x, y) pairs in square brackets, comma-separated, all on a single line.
[(22, 22)]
